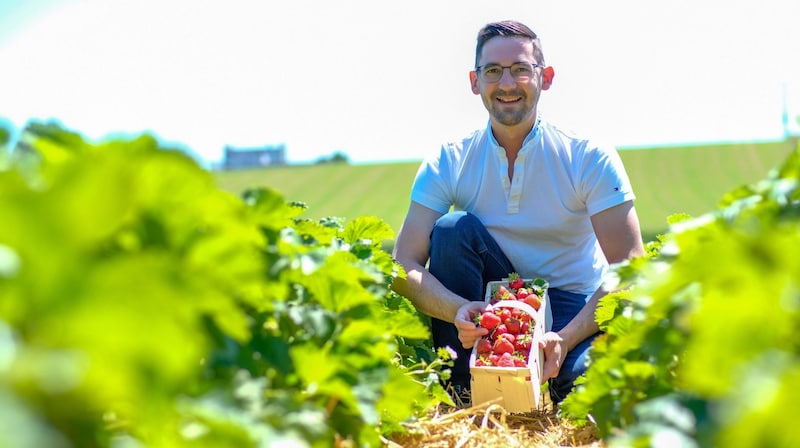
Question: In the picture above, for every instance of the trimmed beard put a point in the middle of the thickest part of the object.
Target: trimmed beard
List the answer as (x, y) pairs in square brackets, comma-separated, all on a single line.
[(510, 118)]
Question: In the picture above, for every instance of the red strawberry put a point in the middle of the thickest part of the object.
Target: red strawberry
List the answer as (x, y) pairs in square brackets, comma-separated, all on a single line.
[(506, 360), (502, 346), (488, 320), (501, 329), (519, 362), (513, 325), (533, 300), (523, 343), (515, 281), (484, 346), (503, 293), (522, 293), (508, 337)]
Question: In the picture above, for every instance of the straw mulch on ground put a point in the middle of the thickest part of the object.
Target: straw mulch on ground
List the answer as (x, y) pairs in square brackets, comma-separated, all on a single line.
[(489, 425)]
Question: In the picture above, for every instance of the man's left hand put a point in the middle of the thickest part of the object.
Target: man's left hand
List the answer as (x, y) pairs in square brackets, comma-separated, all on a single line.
[(555, 350)]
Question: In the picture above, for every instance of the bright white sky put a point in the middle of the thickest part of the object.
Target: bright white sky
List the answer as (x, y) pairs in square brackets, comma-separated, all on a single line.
[(388, 81)]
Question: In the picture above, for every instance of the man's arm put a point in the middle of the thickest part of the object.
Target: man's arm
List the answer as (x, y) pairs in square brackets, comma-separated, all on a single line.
[(427, 294), (411, 250), (619, 235)]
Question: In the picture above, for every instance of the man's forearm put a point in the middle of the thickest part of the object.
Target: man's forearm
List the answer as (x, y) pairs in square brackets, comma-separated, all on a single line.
[(583, 324), (428, 294)]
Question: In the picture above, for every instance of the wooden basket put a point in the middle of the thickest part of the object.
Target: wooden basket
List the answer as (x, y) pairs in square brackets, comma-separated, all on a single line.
[(519, 387)]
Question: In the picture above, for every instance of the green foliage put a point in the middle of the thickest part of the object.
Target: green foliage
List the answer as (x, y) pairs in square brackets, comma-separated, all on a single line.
[(702, 348), (5, 137), (141, 303)]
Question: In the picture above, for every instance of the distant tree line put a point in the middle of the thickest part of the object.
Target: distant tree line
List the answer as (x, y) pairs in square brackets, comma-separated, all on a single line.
[(336, 157)]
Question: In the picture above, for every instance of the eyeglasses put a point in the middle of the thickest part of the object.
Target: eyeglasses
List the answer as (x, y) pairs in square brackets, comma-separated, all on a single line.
[(520, 71)]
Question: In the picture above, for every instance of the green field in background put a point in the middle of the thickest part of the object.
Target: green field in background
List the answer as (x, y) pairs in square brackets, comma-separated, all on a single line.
[(667, 180)]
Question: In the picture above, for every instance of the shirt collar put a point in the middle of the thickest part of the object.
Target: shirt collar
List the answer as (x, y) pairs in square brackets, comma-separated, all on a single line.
[(528, 139)]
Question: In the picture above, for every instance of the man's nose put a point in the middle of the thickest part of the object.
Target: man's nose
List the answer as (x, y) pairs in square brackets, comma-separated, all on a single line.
[(506, 79)]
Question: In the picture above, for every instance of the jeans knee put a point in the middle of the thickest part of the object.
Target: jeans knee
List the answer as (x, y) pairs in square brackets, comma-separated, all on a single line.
[(563, 384), (558, 390), (453, 224)]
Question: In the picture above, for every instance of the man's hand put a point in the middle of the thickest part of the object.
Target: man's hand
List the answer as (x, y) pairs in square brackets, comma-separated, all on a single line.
[(468, 332), (555, 351)]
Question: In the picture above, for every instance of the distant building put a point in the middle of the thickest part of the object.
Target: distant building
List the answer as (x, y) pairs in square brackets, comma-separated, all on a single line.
[(270, 155)]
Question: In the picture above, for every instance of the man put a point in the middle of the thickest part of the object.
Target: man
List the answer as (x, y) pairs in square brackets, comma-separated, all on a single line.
[(526, 197)]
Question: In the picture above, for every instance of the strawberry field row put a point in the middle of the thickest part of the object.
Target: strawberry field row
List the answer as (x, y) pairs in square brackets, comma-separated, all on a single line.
[(702, 346), (139, 303)]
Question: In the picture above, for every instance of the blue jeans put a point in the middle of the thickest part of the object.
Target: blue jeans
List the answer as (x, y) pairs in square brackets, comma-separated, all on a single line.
[(464, 258)]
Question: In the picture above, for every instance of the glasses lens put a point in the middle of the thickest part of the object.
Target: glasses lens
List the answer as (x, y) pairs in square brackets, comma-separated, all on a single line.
[(492, 72), (520, 71)]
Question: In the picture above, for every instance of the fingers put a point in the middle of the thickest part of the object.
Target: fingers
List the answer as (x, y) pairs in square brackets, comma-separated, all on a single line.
[(550, 369), (468, 332), (554, 353), (469, 310)]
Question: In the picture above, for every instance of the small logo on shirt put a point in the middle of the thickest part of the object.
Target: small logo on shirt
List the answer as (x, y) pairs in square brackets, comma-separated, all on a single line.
[(616, 188)]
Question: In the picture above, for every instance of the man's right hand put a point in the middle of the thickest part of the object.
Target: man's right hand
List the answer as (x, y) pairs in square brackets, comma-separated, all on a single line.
[(468, 332)]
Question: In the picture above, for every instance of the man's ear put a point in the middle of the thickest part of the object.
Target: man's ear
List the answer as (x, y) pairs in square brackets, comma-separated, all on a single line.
[(473, 80), (547, 77)]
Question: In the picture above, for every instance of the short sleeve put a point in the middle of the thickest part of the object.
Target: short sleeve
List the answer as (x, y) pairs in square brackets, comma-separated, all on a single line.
[(604, 181), (431, 186)]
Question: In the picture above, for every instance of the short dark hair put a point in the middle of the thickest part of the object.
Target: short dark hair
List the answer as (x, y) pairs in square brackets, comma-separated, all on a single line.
[(508, 28)]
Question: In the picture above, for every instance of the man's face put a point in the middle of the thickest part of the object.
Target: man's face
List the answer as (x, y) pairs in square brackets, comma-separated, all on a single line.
[(509, 102)]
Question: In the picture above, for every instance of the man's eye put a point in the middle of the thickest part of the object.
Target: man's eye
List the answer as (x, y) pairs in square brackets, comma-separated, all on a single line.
[(522, 70), (492, 70)]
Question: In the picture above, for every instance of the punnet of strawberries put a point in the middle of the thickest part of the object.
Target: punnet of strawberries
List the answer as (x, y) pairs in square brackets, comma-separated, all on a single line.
[(510, 337)]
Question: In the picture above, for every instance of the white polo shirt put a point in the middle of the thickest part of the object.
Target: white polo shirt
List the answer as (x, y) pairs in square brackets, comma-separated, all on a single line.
[(541, 219)]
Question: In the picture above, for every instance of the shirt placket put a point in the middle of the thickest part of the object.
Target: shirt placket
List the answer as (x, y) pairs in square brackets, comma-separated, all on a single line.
[(514, 187), (514, 191)]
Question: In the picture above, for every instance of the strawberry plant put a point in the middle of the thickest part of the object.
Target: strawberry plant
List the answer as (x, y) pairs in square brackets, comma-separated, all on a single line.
[(702, 347), (141, 305)]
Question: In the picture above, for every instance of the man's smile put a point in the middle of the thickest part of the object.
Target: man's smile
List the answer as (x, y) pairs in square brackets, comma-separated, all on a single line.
[(508, 99)]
